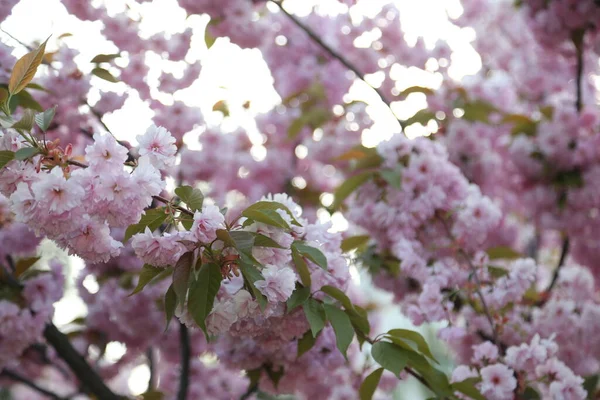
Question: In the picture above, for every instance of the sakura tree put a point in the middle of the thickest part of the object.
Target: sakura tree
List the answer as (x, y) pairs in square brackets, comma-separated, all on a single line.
[(209, 256)]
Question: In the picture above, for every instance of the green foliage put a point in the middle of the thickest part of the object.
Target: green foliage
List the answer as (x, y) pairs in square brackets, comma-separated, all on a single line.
[(349, 186), (369, 385), (23, 264), (420, 117), (389, 357), (170, 304), (301, 268), (415, 337), (26, 153), (313, 118), (44, 119), (590, 384), (266, 213), (298, 297), (104, 74), (192, 197), (305, 343), (354, 242), (6, 156), (393, 177), (315, 314), (340, 322), (313, 254), (503, 252), (181, 276), (26, 121), (467, 387), (265, 241), (147, 274), (415, 89), (202, 293), (104, 58), (251, 275), (478, 110), (521, 124), (152, 219), (530, 394)]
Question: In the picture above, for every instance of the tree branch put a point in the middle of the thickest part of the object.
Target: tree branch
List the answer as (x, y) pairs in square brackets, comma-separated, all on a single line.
[(335, 55), (151, 367), (82, 370), (184, 341), (21, 379)]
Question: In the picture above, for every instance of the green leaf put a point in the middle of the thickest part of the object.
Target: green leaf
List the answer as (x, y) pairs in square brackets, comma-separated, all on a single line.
[(339, 296), (242, 241), (202, 293), (478, 110), (467, 387), (349, 186), (6, 157), (181, 276), (26, 121), (497, 272), (274, 375), (251, 275), (23, 264), (359, 320), (3, 95), (44, 119), (521, 124), (421, 117), (102, 58), (389, 357), (191, 196), (270, 206), (265, 241), (25, 100), (152, 395), (354, 242), (269, 217), (548, 112), (25, 69), (369, 385), (503, 252), (298, 297), (36, 86), (104, 74), (532, 394), (315, 314), (414, 337), (148, 273), (26, 153), (301, 268), (153, 219), (305, 343), (415, 89), (392, 177), (590, 384), (313, 254), (170, 304), (344, 333)]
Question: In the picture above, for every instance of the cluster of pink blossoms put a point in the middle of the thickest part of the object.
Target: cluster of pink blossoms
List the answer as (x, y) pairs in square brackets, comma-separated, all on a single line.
[(78, 208)]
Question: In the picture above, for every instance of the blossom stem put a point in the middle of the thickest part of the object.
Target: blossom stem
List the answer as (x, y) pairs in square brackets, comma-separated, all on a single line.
[(21, 379), (82, 370), (151, 367), (335, 55), (184, 341), (563, 255)]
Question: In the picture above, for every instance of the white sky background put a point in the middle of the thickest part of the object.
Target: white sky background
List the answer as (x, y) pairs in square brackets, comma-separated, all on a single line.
[(231, 74)]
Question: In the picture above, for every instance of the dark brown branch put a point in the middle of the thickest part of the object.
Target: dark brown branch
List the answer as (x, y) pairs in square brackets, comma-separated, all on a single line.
[(185, 349), (151, 367), (21, 379), (335, 55), (563, 255), (82, 370)]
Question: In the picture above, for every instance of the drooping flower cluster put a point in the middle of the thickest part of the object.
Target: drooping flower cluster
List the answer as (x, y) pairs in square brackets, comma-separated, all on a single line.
[(78, 208)]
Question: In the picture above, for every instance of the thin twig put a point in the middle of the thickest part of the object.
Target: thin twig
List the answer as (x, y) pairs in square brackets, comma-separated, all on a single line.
[(335, 55), (21, 379), (184, 341), (151, 367), (563, 255), (82, 370), (478, 285)]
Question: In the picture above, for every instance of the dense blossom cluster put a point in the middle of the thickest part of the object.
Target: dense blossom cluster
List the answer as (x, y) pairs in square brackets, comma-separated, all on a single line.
[(461, 227)]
